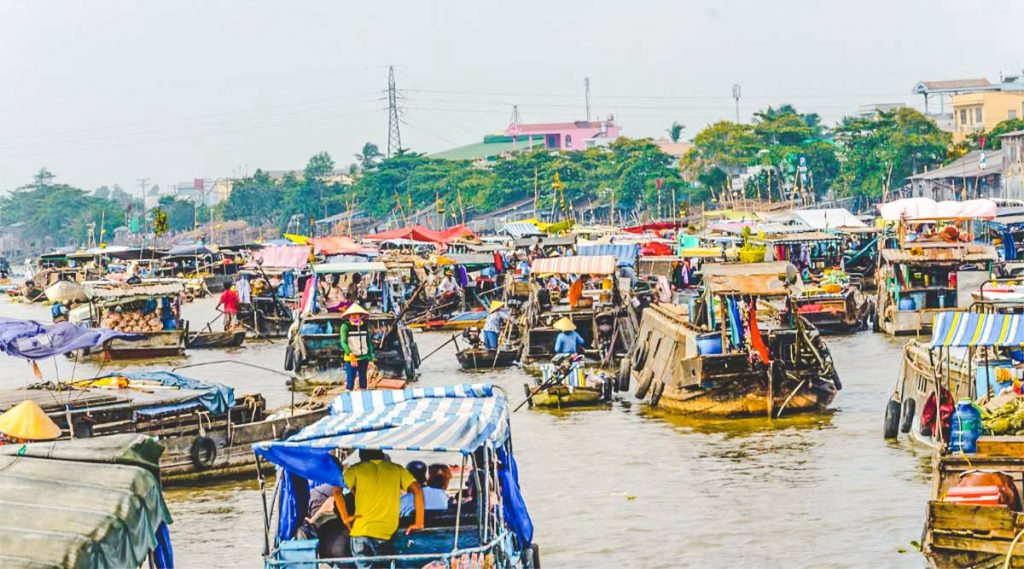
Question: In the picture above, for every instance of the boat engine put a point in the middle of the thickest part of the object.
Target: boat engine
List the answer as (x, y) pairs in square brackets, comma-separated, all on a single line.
[(472, 335)]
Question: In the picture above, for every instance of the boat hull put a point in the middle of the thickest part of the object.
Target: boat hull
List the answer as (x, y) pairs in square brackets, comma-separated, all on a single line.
[(153, 345), (215, 340), (479, 358), (560, 397)]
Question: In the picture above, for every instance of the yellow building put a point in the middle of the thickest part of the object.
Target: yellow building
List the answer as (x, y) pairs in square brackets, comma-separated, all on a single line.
[(980, 111)]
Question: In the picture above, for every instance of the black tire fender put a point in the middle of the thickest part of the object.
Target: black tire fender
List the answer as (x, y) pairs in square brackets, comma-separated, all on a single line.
[(639, 356), (625, 374), (644, 384), (892, 419), (909, 409), (203, 452), (656, 392), (289, 353), (410, 369)]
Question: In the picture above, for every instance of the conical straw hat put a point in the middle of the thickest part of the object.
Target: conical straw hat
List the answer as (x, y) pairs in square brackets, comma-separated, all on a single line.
[(495, 305), (354, 309), (27, 421), (565, 325)]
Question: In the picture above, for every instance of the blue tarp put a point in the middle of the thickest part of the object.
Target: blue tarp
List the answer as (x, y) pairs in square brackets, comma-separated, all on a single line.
[(217, 398), (32, 340), (625, 253)]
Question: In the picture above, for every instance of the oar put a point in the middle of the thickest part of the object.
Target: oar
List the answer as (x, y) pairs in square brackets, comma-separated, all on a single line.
[(540, 387)]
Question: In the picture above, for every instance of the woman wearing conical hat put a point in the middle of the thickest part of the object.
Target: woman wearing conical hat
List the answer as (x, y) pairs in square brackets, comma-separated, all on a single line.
[(568, 340), (357, 343), (496, 317), (27, 422)]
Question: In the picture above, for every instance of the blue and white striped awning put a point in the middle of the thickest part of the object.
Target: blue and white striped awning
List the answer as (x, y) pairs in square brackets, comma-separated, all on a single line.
[(520, 229), (967, 329), (453, 418), (625, 253)]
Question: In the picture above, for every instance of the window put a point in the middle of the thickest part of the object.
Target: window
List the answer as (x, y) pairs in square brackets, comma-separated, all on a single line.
[(977, 115), (1011, 114), (963, 117), (568, 141)]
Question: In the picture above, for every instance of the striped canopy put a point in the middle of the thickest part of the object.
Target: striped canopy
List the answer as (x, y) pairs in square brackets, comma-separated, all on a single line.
[(453, 418), (624, 253), (967, 329), (600, 265)]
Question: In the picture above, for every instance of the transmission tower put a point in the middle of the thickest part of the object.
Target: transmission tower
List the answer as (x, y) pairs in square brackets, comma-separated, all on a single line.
[(394, 136), (513, 127)]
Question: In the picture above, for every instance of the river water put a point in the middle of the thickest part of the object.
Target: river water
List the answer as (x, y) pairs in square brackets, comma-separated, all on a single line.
[(623, 486)]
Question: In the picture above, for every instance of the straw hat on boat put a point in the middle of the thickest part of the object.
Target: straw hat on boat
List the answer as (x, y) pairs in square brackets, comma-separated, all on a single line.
[(354, 310), (564, 325), (28, 422), (496, 305)]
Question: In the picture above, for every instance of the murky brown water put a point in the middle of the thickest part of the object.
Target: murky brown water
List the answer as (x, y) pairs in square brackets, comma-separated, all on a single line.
[(625, 487)]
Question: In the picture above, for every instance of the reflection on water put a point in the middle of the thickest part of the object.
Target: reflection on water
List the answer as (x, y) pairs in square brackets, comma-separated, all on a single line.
[(625, 486)]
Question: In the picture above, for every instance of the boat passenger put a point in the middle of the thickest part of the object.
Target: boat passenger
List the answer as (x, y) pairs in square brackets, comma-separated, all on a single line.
[(59, 312), (354, 293), (496, 317), (324, 520), (229, 300), (568, 340), (576, 290), (357, 345), (377, 485), (434, 499)]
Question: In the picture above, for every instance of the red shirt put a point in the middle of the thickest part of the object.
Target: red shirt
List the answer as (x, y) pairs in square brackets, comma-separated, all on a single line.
[(229, 299)]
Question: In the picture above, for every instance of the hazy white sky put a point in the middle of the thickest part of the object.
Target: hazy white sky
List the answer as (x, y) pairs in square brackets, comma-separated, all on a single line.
[(108, 92)]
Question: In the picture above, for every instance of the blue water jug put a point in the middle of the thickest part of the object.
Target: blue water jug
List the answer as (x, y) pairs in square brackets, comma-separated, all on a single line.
[(966, 428)]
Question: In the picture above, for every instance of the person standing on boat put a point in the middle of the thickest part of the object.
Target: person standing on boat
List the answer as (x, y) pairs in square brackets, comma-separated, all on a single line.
[(568, 340), (378, 485), (357, 345), (496, 318), (229, 301)]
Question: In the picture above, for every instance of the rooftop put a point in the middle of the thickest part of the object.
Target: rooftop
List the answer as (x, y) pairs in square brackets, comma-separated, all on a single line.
[(953, 85), (966, 167)]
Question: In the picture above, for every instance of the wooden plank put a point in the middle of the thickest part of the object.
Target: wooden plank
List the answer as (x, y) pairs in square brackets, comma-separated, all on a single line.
[(942, 540), (1003, 446), (966, 517)]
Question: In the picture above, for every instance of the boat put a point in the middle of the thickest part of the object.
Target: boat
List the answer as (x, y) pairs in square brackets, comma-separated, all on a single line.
[(565, 382), (277, 275), (314, 353), (150, 311), (708, 359), (457, 321), (484, 526), (836, 304), (931, 264), (216, 340), (84, 503), (475, 356), (860, 253)]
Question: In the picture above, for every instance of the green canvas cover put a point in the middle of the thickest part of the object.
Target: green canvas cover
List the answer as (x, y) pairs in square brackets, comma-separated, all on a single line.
[(88, 503)]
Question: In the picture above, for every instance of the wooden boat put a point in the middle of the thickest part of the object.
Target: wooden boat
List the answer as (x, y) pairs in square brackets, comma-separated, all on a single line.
[(151, 309), (457, 321), (843, 310), (959, 533), (565, 382), (700, 362), (479, 357), (216, 340)]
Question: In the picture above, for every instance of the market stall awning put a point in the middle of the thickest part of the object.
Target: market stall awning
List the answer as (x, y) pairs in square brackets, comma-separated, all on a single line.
[(576, 265), (424, 234), (928, 209), (967, 329), (343, 267), (287, 257), (626, 254), (829, 218)]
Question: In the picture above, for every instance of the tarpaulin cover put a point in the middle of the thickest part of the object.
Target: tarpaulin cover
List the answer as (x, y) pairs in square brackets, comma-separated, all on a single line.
[(654, 226), (520, 229), (30, 340), (217, 398), (967, 329), (421, 233), (83, 504), (191, 250), (286, 257), (656, 249), (926, 208), (827, 218), (625, 254), (336, 245), (574, 265)]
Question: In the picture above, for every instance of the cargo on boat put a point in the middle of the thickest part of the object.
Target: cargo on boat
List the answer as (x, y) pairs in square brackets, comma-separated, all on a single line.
[(566, 382), (150, 310), (740, 348)]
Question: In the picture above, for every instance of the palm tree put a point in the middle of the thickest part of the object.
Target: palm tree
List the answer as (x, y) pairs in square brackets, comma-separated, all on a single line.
[(675, 131), (369, 156)]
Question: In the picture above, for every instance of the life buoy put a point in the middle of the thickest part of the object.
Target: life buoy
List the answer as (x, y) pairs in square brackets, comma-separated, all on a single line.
[(203, 452), (656, 393), (892, 419), (909, 408), (644, 384)]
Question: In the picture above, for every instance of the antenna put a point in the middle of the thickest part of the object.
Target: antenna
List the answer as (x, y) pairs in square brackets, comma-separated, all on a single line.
[(736, 96), (586, 88), (513, 126), (394, 137)]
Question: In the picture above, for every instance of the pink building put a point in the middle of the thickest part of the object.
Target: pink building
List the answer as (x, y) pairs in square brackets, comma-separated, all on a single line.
[(579, 135)]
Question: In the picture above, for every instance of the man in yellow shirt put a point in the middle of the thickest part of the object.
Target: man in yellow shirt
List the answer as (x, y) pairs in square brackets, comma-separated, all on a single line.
[(378, 485)]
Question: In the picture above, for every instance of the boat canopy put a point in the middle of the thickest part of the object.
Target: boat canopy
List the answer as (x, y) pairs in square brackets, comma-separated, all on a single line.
[(604, 265), (93, 502), (795, 238), (31, 340), (347, 267), (927, 209), (625, 253), (424, 234), (829, 218), (520, 229), (453, 418), (969, 329), (127, 292), (757, 279), (285, 257), (941, 253)]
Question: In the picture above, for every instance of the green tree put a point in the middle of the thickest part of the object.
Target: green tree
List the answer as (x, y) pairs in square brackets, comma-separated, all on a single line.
[(369, 157), (992, 140), (675, 131)]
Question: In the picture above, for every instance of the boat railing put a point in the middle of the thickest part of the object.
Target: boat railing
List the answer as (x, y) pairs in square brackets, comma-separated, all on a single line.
[(466, 558)]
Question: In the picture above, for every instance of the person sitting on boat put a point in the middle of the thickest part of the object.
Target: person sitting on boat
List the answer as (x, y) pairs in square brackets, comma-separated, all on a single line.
[(377, 485), (354, 292), (357, 345), (447, 289), (59, 312), (496, 317), (324, 520), (27, 422), (568, 340), (576, 290), (229, 300), (434, 499)]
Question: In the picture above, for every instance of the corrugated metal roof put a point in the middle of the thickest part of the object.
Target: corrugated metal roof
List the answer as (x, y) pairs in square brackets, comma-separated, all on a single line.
[(520, 229)]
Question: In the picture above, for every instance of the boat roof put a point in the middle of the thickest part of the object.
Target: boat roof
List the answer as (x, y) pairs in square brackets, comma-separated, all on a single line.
[(349, 267), (575, 265), (758, 279), (941, 253), (93, 502), (802, 237), (123, 292), (482, 259), (625, 253), (969, 329)]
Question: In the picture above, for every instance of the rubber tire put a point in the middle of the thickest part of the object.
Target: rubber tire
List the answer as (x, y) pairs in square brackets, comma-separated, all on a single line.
[(656, 392), (534, 553), (639, 357), (891, 423), (415, 352), (288, 432), (624, 375), (607, 388), (203, 452), (909, 409), (289, 353), (410, 369), (644, 384)]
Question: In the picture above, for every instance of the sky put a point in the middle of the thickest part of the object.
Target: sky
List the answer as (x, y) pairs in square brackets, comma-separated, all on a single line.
[(110, 92)]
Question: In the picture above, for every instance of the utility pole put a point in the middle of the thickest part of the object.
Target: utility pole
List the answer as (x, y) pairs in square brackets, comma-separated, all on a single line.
[(736, 97), (394, 136), (586, 88), (143, 182)]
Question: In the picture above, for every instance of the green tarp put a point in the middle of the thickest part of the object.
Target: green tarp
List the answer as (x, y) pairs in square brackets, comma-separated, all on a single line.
[(89, 503)]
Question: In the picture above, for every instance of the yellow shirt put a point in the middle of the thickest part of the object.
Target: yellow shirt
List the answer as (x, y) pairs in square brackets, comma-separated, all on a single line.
[(378, 485)]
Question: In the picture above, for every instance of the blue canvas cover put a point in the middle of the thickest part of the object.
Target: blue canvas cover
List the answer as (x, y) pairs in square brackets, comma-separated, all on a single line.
[(625, 253), (32, 340), (217, 398)]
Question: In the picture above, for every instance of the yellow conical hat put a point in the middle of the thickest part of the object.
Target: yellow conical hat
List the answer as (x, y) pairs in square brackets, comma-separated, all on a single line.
[(565, 325), (496, 305), (27, 421)]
